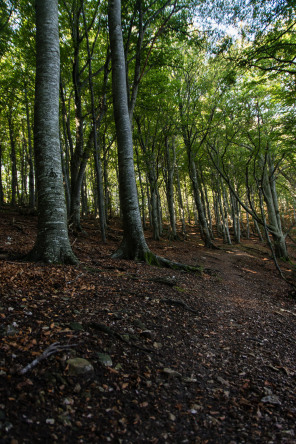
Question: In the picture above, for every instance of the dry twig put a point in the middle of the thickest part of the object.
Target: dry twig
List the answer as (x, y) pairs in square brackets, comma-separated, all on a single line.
[(53, 348)]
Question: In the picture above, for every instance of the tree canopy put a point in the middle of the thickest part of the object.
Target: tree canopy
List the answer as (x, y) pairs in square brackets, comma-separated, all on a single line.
[(211, 100)]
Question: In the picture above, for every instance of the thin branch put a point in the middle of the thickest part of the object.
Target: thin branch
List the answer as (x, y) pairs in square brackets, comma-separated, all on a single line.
[(53, 348)]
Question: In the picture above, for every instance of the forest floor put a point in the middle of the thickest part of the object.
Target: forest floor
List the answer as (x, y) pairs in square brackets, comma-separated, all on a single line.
[(176, 357)]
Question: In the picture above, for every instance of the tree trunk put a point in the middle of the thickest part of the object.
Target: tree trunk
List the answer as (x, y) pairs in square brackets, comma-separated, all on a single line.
[(142, 190), (270, 197), (133, 245), (205, 234), (13, 160), (52, 244), (170, 186), (30, 157), (96, 126), (181, 206), (1, 185)]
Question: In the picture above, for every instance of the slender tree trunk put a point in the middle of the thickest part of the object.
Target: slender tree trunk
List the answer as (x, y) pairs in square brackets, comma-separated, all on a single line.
[(65, 176), (187, 204), (170, 186), (181, 206), (235, 218), (247, 226), (205, 234), (52, 243), (142, 190), (225, 211), (208, 211), (149, 201), (84, 200), (13, 160), (98, 166), (159, 212), (107, 192), (270, 197), (30, 156), (23, 194), (1, 184)]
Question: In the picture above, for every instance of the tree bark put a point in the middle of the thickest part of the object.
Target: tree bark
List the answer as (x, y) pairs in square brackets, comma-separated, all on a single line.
[(96, 125), (13, 160), (30, 157), (52, 243), (170, 186), (180, 201), (1, 185), (133, 245)]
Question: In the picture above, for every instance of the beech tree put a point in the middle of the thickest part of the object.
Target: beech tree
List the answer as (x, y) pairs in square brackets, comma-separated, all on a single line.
[(52, 244), (133, 245)]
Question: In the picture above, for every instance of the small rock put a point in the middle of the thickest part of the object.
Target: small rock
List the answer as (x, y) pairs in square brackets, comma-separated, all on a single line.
[(10, 330), (125, 337), (65, 420), (68, 401), (288, 432), (171, 373), (172, 417), (77, 388), (117, 316), (105, 359), (222, 381), (79, 366), (8, 426), (189, 379), (148, 334), (271, 399), (139, 324), (157, 345), (76, 326), (50, 421)]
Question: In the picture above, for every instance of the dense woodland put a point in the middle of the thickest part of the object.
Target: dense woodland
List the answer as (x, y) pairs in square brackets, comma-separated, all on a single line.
[(210, 97), (139, 133)]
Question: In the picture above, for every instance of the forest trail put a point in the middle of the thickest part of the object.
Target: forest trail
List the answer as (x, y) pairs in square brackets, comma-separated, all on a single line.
[(195, 358)]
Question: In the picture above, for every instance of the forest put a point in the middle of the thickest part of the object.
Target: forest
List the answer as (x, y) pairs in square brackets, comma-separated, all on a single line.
[(147, 221)]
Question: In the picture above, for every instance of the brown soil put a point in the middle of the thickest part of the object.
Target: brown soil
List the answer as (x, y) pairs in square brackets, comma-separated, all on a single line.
[(196, 358)]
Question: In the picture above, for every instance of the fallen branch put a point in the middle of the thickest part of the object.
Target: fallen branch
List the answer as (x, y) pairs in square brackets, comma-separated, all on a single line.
[(167, 263), (53, 348)]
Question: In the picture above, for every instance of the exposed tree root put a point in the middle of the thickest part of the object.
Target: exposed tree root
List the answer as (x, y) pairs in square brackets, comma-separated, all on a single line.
[(153, 259), (178, 303), (49, 256), (140, 252)]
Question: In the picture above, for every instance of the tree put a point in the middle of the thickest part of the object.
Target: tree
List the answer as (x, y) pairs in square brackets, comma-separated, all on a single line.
[(52, 244), (133, 245)]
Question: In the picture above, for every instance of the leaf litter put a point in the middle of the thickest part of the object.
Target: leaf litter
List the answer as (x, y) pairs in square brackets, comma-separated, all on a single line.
[(175, 357)]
